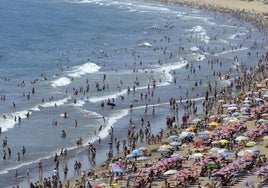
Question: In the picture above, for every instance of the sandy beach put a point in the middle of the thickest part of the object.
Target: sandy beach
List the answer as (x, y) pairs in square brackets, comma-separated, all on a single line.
[(190, 154)]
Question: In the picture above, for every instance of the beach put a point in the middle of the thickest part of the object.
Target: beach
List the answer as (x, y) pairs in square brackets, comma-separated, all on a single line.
[(126, 112)]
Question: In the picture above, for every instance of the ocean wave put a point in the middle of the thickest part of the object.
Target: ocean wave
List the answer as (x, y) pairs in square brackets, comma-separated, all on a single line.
[(64, 81), (145, 44), (105, 97), (8, 121), (54, 103), (198, 32), (111, 121), (87, 68), (231, 51)]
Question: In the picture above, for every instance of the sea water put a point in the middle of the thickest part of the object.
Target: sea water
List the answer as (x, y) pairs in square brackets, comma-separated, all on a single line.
[(68, 56)]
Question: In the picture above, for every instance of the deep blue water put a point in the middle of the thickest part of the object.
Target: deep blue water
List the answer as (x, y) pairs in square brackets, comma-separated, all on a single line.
[(57, 46)]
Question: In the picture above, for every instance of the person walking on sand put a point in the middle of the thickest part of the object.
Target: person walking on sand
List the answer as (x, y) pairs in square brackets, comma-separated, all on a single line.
[(65, 171), (40, 167)]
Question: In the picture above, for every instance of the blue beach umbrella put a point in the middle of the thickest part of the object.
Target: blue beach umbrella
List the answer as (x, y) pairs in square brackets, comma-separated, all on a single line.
[(204, 136), (226, 154), (163, 150), (173, 137), (136, 151), (131, 155)]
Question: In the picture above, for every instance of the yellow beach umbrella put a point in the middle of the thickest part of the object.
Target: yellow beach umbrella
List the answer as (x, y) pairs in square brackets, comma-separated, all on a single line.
[(213, 123), (224, 141), (260, 85), (190, 129), (251, 143), (233, 120)]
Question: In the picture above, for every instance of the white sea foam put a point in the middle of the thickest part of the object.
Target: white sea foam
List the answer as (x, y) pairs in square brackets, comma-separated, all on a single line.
[(145, 44), (64, 81), (199, 33), (194, 48), (198, 56), (55, 103), (111, 121), (236, 35), (78, 103), (231, 51), (87, 68), (7, 121), (105, 97), (223, 41)]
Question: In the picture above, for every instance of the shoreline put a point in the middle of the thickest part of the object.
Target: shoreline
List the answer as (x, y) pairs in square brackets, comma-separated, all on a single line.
[(238, 8)]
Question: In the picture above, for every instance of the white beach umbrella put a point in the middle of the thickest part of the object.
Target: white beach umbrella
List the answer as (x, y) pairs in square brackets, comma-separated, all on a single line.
[(196, 155), (225, 105), (170, 172), (174, 143), (232, 108), (142, 158)]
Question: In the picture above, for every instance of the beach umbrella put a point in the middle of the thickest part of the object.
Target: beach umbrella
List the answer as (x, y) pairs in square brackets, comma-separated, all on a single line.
[(196, 155), (241, 138), (224, 141), (254, 149), (117, 168), (166, 146), (221, 101), (96, 186), (204, 136), (248, 182), (233, 119), (262, 120), (197, 120), (265, 138), (170, 172), (245, 113), (103, 184), (142, 158), (226, 154), (242, 153), (231, 108), (260, 85), (190, 129), (213, 123), (174, 143), (142, 148), (251, 143), (233, 105), (185, 134), (173, 137), (264, 115), (175, 155), (211, 164), (225, 105), (131, 155), (215, 150), (240, 116), (235, 114), (136, 151), (163, 150)]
